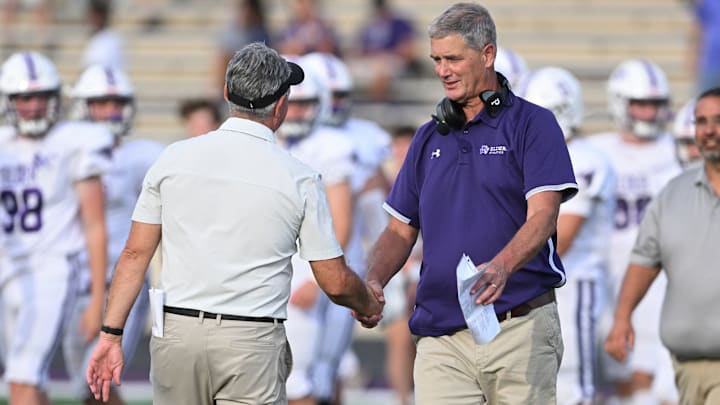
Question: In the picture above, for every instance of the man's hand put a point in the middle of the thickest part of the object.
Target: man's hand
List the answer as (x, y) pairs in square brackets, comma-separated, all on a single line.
[(90, 322), (620, 340), (304, 297), (375, 309), (492, 282), (106, 364)]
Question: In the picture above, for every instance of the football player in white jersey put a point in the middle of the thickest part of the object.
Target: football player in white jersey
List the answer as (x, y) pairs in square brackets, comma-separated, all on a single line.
[(331, 154), (643, 156), (369, 186), (585, 225), (684, 132), (54, 200), (105, 95)]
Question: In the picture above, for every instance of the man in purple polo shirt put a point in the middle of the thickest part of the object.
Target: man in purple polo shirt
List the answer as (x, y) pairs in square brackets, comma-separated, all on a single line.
[(490, 188)]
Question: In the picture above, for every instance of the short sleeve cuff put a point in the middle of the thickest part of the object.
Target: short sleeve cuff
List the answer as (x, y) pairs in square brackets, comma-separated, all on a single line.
[(392, 211), (146, 218), (312, 255), (568, 190), (644, 261)]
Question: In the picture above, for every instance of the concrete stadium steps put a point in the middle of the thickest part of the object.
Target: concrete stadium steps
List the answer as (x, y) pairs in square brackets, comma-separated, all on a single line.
[(589, 37)]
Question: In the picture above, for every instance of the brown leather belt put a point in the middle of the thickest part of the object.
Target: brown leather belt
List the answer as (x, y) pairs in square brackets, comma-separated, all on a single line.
[(527, 306)]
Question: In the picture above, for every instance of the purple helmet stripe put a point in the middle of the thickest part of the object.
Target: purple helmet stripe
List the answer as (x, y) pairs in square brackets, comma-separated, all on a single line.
[(330, 68), (651, 74), (110, 76), (32, 70)]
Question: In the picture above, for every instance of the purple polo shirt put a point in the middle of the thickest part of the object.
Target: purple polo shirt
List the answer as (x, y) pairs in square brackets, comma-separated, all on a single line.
[(467, 192)]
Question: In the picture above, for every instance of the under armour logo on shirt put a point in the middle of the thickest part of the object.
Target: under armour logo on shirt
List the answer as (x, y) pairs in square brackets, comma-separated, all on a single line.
[(435, 154)]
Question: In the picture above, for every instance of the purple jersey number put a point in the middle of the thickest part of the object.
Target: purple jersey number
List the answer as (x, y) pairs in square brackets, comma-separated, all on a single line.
[(24, 207), (630, 212)]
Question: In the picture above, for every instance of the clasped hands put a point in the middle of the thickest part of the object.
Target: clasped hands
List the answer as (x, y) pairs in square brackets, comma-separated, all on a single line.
[(373, 314)]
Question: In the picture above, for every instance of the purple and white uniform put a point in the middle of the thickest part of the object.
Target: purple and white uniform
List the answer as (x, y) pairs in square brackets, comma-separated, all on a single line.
[(122, 184), (45, 239), (582, 299)]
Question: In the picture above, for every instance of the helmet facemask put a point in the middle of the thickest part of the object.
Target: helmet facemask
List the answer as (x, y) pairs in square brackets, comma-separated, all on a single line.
[(104, 95), (119, 120), (639, 81), (302, 118), (336, 76), (647, 129), (341, 109), (31, 90), (33, 123)]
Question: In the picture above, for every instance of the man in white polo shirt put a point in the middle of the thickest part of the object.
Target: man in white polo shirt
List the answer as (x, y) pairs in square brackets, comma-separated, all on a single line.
[(230, 206)]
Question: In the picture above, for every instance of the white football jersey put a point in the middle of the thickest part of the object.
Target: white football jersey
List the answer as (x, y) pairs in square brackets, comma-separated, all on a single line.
[(123, 183), (372, 149), (588, 255), (332, 154), (5, 160), (642, 170), (38, 188), (328, 152)]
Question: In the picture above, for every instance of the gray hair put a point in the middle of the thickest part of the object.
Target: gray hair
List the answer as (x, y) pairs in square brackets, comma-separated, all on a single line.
[(255, 71), (469, 20)]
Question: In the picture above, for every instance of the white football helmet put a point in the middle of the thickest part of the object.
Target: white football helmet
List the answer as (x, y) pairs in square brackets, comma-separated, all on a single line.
[(639, 80), (511, 65), (25, 74), (339, 81), (314, 95), (559, 91), (101, 83), (684, 133)]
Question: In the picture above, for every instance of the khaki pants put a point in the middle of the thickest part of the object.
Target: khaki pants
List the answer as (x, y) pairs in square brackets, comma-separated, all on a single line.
[(208, 361), (519, 366), (698, 381)]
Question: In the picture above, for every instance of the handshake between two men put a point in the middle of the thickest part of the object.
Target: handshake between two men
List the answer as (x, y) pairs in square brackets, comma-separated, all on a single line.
[(344, 287)]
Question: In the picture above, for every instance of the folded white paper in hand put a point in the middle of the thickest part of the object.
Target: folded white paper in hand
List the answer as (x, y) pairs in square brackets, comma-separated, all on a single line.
[(157, 302), (480, 319)]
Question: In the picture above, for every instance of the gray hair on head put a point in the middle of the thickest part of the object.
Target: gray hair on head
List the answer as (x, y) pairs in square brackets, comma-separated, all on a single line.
[(469, 20), (255, 71)]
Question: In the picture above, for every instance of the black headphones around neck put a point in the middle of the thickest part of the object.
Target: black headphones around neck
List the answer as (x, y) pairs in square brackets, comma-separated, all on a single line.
[(450, 115)]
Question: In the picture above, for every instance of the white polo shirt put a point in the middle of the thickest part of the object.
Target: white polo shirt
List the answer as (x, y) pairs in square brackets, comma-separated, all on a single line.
[(232, 204)]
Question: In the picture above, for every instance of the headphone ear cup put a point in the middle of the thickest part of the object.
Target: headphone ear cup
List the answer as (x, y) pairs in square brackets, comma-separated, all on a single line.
[(493, 101), (448, 115), (453, 113), (440, 121)]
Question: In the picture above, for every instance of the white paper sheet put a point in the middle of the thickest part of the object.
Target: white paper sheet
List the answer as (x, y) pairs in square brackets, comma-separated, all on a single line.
[(480, 319), (157, 301)]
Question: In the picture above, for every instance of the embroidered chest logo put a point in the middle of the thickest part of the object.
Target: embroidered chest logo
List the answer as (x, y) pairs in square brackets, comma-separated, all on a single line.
[(493, 150), (435, 154)]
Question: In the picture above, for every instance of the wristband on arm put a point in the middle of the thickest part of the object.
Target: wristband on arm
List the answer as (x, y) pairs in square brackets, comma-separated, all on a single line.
[(112, 331)]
